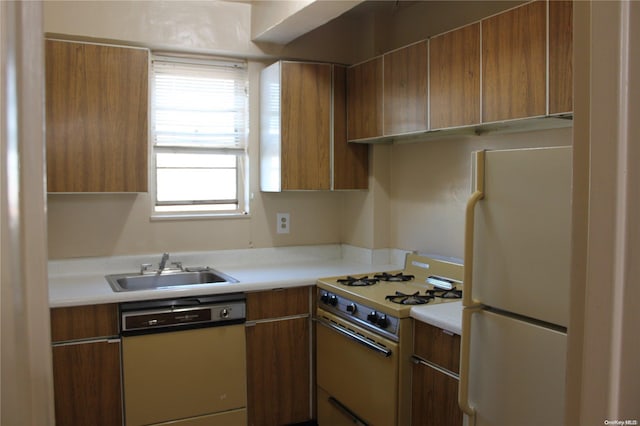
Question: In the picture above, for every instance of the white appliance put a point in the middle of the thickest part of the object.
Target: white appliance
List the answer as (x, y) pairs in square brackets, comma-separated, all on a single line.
[(516, 298)]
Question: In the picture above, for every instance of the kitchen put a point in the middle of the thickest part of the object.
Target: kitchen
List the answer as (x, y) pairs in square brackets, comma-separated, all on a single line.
[(431, 226)]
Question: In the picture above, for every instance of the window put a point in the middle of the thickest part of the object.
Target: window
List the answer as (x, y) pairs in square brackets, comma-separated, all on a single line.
[(199, 125)]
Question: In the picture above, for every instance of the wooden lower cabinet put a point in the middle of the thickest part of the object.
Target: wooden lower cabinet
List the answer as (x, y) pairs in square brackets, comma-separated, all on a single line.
[(279, 358), (435, 377), (435, 398), (87, 386), (86, 366)]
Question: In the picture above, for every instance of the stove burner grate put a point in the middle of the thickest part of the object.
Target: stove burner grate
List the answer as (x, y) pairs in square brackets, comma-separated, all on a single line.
[(385, 276), (358, 282), (445, 294), (410, 299)]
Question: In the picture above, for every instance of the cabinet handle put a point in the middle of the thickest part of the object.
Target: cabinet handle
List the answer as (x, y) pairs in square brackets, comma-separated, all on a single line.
[(361, 340), (86, 341), (436, 367)]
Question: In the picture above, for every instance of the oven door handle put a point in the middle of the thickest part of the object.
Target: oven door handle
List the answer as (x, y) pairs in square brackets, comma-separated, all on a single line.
[(359, 339), (354, 419)]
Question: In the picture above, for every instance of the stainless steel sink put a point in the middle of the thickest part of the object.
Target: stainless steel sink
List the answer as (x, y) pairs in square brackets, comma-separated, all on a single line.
[(134, 282)]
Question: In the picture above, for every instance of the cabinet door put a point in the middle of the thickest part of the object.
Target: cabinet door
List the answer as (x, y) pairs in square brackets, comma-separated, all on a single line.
[(454, 78), (514, 63), (278, 303), (364, 100), (434, 398), (278, 372), (84, 322), (405, 89), (87, 388), (306, 126), (96, 112), (350, 160), (560, 56), (438, 346)]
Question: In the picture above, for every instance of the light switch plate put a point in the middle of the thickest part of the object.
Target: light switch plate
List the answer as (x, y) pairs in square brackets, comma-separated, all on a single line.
[(282, 225)]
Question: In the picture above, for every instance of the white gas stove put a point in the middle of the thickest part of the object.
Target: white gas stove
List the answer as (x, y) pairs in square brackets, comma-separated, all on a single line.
[(365, 336), (378, 301)]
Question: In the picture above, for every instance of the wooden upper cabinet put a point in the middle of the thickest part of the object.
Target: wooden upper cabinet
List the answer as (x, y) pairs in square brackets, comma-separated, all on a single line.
[(560, 56), (303, 142), (364, 100), (514, 63), (306, 126), (454, 69), (96, 117), (350, 160), (405, 89)]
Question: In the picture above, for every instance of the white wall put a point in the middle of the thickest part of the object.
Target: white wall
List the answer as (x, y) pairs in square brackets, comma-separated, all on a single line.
[(431, 182)]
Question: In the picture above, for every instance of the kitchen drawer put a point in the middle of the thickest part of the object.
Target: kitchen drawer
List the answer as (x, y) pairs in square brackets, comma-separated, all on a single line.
[(84, 322), (436, 345), (278, 303)]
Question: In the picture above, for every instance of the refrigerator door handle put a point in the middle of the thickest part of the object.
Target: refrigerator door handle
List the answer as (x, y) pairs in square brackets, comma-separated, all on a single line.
[(467, 296), (465, 342)]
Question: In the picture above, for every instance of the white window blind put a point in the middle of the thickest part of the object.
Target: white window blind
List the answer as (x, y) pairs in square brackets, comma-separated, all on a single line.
[(199, 110), (200, 104)]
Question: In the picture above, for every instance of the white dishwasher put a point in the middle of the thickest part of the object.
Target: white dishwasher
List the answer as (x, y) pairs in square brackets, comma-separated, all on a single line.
[(184, 361)]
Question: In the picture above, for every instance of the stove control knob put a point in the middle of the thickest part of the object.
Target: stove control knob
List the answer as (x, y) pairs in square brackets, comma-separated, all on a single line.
[(382, 321), (324, 297), (333, 300), (352, 308), (372, 317)]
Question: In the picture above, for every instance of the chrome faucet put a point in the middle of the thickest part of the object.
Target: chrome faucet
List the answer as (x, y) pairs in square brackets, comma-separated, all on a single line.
[(163, 263)]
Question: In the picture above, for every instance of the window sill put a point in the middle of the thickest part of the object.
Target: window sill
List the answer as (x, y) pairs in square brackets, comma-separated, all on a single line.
[(202, 216)]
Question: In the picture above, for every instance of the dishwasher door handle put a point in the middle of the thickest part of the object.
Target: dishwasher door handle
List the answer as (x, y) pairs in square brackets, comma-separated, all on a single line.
[(341, 407), (356, 338)]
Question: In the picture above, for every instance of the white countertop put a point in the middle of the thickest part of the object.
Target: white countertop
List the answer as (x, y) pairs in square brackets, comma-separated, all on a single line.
[(444, 315), (81, 281), (77, 282)]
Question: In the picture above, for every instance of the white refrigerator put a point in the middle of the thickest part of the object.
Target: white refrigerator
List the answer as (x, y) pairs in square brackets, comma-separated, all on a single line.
[(516, 288)]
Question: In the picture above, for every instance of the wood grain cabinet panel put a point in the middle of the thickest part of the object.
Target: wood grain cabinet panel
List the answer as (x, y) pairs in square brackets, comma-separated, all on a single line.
[(364, 100), (86, 367), (438, 346), (87, 387), (350, 160), (560, 56), (434, 398), (84, 322), (306, 126), (279, 356), (454, 84), (514, 63), (303, 144), (278, 361), (405, 89), (434, 392), (278, 303), (96, 112)]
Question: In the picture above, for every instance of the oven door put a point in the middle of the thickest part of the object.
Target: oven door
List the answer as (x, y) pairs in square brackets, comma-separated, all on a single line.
[(357, 374)]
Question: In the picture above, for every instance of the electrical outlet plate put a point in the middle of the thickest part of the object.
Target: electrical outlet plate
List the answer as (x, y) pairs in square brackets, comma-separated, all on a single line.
[(282, 225)]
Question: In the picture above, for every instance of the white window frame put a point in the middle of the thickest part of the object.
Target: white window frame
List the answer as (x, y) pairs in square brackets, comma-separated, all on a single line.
[(240, 150)]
